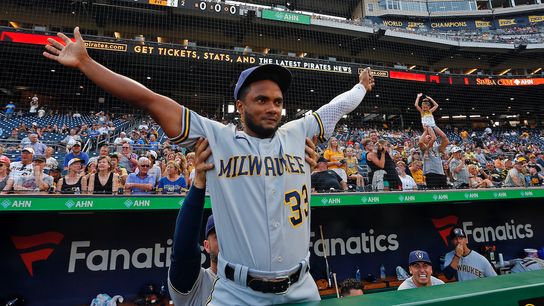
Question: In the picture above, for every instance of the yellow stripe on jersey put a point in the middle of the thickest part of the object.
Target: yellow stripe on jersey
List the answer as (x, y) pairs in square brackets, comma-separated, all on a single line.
[(321, 135), (185, 127)]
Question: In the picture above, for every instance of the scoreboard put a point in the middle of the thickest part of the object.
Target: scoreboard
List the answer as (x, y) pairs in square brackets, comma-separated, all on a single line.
[(200, 5)]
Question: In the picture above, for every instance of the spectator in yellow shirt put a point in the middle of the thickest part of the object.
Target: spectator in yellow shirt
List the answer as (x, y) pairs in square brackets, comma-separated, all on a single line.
[(417, 173), (336, 158)]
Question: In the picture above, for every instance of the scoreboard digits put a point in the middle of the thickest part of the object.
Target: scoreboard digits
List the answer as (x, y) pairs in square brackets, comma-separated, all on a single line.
[(217, 7)]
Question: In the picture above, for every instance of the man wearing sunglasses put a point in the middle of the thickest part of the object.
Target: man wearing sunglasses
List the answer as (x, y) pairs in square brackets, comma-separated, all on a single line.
[(141, 183)]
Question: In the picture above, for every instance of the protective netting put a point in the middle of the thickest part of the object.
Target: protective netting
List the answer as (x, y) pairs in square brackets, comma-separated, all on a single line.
[(483, 72), (195, 56)]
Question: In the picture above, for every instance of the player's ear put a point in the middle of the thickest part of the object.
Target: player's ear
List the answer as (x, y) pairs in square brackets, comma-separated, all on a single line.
[(207, 246), (239, 106)]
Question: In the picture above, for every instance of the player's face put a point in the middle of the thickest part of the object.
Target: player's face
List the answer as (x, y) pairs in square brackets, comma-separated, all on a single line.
[(261, 109), (211, 246), (458, 240), (421, 273)]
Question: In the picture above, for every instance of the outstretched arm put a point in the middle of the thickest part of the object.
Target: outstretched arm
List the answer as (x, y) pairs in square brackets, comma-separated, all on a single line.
[(165, 111), (185, 259), (416, 104), (435, 105), (344, 103)]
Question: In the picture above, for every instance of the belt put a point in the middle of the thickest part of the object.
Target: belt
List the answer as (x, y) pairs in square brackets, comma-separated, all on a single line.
[(277, 285)]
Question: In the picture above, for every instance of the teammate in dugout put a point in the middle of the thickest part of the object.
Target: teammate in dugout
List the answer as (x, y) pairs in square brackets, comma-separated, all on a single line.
[(260, 185), (190, 284), (464, 263)]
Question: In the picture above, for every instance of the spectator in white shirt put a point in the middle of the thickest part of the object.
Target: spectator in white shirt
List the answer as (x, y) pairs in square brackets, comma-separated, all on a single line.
[(408, 182)]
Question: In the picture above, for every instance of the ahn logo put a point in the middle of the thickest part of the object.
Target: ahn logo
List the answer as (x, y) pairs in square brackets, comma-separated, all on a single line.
[(35, 248), (444, 226)]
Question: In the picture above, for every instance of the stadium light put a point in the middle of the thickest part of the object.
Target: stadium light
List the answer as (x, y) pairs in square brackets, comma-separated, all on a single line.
[(283, 112), (471, 71), (505, 71), (230, 108), (443, 70), (536, 71)]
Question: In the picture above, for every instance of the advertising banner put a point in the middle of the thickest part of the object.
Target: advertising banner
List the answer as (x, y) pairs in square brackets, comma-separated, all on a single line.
[(67, 259), (207, 55), (285, 16)]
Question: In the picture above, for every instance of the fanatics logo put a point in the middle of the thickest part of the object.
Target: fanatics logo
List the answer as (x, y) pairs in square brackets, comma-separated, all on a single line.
[(444, 226), (34, 247)]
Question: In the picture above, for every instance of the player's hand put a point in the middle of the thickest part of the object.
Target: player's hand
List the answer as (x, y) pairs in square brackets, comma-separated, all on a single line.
[(366, 79), (311, 155), (419, 95), (459, 249), (202, 153), (70, 54)]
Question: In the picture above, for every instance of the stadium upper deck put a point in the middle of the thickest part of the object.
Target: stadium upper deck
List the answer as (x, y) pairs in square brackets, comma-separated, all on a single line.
[(245, 28)]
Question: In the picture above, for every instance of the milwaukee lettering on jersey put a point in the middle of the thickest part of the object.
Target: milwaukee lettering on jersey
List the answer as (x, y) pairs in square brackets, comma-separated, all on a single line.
[(471, 270), (249, 165)]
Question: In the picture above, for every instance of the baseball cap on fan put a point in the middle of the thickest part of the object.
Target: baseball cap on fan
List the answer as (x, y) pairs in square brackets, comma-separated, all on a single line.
[(275, 73)]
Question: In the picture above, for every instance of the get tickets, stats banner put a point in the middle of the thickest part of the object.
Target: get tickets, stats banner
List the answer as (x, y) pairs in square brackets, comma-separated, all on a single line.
[(182, 53)]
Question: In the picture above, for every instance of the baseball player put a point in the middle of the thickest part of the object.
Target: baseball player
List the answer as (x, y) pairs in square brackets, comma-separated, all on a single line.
[(421, 269), (464, 262), (190, 284), (260, 185)]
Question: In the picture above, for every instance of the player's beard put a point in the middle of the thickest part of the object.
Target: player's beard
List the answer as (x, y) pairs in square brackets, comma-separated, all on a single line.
[(213, 257), (261, 131)]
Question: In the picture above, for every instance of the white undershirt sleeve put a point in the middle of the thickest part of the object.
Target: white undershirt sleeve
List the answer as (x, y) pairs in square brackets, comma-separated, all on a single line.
[(341, 105)]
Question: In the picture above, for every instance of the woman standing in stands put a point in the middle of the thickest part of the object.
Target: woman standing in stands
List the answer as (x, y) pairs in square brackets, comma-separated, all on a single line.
[(73, 182), (104, 181), (4, 171), (336, 159), (383, 173), (173, 182)]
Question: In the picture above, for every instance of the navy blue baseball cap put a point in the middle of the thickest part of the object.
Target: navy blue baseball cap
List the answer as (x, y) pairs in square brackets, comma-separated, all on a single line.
[(210, 226), (457, 232), (275, 73), (418, 256)]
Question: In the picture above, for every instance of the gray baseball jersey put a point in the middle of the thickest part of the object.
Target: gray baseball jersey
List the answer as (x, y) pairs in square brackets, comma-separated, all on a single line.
[(199, 294), (472, 266), (260, 188), (409, 283)]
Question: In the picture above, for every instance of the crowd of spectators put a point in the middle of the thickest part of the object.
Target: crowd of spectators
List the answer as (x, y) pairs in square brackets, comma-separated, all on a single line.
[(142, 161), (410, 160)]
